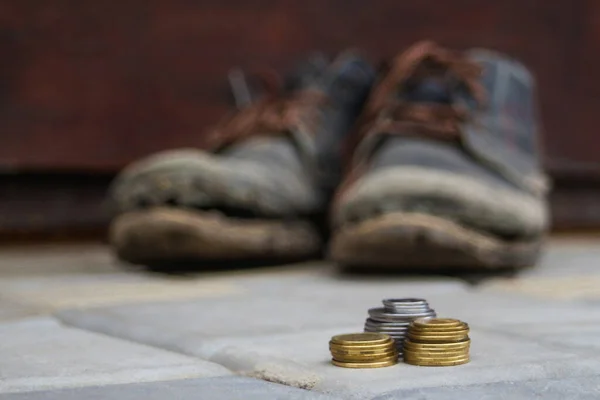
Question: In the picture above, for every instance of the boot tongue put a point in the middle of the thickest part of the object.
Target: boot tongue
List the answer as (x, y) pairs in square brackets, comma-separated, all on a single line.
[(306, 73), (428, 90)]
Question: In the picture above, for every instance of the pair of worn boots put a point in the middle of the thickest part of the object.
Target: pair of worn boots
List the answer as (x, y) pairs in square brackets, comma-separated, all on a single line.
[(431, 162)]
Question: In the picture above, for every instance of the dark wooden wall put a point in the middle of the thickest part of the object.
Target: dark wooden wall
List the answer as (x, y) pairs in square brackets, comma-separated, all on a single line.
[(87, 86)]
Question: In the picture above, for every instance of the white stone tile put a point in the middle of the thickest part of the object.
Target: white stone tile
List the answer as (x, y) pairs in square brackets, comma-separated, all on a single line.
[(41, 354)]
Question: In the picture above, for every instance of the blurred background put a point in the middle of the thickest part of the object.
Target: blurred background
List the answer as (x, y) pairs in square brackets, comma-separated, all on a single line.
[(88, 86)]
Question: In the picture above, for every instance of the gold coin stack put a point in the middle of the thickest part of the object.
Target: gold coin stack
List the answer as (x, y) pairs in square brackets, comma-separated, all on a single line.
[(363, 350), (437, 342)]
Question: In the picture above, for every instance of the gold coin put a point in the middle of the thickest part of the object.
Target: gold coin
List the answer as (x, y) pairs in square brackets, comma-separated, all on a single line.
[(372, 347), (445, 331), (363, 357), (338, 354), (362, 350), (388, 358), (436, 322), (440, 338), (434, 349), (421, 331), (434, 358), (439, 328), (363, 353), (453, 345), (429, 353), (361, 339), (434, 332), (427, 341), (438, 363), (372, 364)]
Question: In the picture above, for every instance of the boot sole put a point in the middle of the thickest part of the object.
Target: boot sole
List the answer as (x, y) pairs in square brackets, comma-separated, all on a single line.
[(169, 234), (411, 241)]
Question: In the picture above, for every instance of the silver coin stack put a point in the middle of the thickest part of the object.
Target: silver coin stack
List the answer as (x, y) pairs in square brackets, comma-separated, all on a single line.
[(395, 316)]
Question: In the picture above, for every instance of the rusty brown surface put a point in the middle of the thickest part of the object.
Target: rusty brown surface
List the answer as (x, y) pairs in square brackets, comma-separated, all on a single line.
[(91, 85), (53, 205)]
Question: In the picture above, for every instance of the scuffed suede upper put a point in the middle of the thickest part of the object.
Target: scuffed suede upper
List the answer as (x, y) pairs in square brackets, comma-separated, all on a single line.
[(489, 178), (346, 82), (284, 174)]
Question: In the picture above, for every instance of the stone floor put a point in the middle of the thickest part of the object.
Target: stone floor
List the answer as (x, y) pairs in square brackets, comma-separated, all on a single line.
[(74, 324)]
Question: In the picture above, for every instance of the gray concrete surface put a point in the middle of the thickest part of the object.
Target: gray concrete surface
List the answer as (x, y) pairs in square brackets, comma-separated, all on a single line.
[(40, 353), (548, 389), (538, 330), (219, 388)]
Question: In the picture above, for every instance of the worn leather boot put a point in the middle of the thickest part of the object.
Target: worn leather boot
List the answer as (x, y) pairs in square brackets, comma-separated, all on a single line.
[(271, 170), (445, 171)]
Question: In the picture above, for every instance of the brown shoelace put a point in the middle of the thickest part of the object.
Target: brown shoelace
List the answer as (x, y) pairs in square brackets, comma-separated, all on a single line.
[(386, 113), (276, 113)]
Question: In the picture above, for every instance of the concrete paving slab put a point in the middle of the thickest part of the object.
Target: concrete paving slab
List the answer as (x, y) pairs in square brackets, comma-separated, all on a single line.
[(275, 325), (9, 310), (220, 388), (587, 388), (568, 271), (494, 310), (568, 257), (52, 293), (41, 354), (308, 306), (280, 333), (268, 306), (302, 359), (583, 334)]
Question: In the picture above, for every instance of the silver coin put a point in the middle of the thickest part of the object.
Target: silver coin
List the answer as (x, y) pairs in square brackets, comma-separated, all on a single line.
[(408, 312), (404, 301), (383, 328), (395, 324), (390, 333), (424, 307), (389, 328), (406, 307), (379, 314), (387, 332)]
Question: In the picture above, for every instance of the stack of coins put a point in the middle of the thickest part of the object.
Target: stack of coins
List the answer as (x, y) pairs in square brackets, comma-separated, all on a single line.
[(395, 317), (363, 350), (437, 342)]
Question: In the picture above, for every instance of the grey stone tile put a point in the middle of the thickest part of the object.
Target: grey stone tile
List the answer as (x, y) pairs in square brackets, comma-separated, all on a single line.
[(302, 359), (583, 334), (266, 306), (221, 388), (587, 388), (9, 310), (52, 293), (480, 307), (568, 257), (280, 332), (568, 271), (40, 354)]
